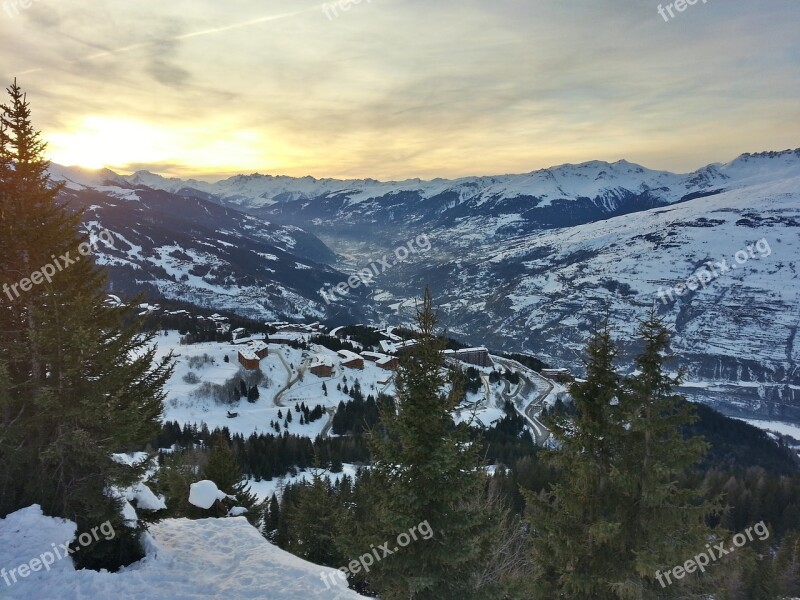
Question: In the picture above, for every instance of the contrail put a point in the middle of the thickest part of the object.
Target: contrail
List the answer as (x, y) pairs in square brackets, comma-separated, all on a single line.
[(185, 36)]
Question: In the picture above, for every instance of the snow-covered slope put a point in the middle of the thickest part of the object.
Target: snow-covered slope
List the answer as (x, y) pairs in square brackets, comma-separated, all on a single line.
[(542, 291), (195, 250), (186, 560)]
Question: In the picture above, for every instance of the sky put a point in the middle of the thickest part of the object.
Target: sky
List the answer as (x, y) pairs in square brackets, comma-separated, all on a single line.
[(396, 89)]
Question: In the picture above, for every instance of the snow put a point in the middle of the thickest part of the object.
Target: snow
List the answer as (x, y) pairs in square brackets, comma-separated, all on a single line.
[(204, 494), (186, 560), (775, 427), (264, 489), (144, 497), (131, 458)]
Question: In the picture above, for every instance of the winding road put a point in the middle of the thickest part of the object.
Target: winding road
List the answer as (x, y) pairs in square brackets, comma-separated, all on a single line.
[(289, 381), (530, 381)]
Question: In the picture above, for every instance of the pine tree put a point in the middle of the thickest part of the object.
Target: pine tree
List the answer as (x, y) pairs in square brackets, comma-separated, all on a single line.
[(74, 393), (425, 471), (666, 518), (619, 513), (313, 522), (577, 547), (224, 470), (272, 519), (253, 394), (787, 565)]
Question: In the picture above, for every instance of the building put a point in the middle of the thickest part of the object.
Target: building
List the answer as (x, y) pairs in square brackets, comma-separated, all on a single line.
[(248, 358), (384, 361), (373, 356), (250, 355), (260, 348), (321, 366), (560, 375), (284, 327), (350, 359), (397, 347), (472, 356), (389, 363)]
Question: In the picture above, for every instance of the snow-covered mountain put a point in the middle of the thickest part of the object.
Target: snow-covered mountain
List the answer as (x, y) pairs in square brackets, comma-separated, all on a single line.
[(197, 251), (542, 291), (558, 196)]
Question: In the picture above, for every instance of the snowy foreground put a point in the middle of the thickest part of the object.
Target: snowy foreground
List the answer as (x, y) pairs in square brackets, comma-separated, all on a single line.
[(186, 560)]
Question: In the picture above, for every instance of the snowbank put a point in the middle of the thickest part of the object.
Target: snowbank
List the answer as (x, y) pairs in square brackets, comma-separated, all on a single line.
[(186, 560)]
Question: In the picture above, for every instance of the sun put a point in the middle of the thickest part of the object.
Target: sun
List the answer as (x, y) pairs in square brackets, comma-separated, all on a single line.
[(116, 143), (108, 142)]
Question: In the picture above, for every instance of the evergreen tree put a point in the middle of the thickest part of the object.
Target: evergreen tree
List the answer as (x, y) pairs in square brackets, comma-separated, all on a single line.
[(81, 382), (224, 470), (425, 471), (313, 523), (618, 513), (272, 518), (665, 518), (576, 524), (253, 394), (787, 565)]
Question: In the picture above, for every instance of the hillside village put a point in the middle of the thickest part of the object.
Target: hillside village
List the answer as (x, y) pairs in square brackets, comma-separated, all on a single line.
[(251, 383)]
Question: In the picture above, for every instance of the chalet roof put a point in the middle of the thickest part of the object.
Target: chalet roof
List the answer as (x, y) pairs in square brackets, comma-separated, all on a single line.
[(392, 347), (257, 345), (349, 355), (248, 353), (479, 349), (321, 360), (374, 356)]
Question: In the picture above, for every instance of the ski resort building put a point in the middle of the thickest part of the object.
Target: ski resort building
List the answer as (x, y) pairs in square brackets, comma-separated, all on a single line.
[(248, 358), (397, 347), (250, 355), (560, 375), (321, 366), (384, 361), (473, 356), (351, 359)]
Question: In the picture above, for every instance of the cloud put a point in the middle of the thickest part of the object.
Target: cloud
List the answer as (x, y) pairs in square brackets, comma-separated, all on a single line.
[(397, 89)]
